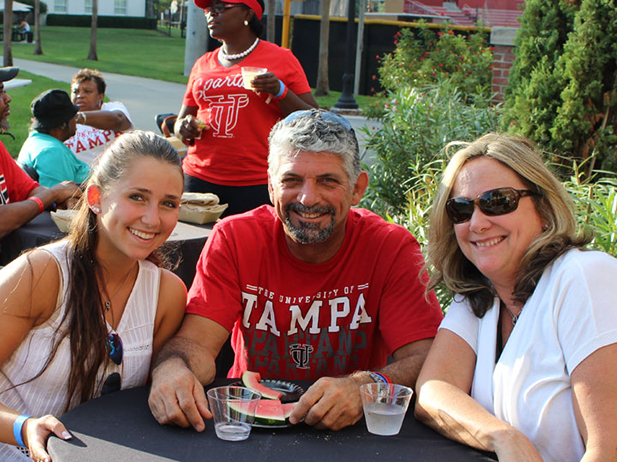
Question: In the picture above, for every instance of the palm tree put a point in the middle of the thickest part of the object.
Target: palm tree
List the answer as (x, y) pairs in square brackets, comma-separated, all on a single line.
[(322, 87), (271, 24), (8, 29), (95, 14), (38, 49)]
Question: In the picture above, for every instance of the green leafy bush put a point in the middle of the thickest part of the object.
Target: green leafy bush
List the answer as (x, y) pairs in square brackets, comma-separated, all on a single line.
[(425, 56), (562, 88), (417, 124), (595, 200)]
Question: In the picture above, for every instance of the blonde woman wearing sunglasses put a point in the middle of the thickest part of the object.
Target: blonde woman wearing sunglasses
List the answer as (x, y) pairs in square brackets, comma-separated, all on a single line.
[(82, 316), (523, 363)]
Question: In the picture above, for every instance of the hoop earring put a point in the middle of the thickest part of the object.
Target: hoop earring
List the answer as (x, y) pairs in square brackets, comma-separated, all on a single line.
[(246, 23)]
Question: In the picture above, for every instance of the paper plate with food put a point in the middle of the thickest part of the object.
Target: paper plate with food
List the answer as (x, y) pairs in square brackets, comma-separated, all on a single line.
[(200, 208), (63, 219)]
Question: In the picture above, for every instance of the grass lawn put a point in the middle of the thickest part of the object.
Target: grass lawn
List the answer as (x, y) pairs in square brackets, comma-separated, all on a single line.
[(138, 52)]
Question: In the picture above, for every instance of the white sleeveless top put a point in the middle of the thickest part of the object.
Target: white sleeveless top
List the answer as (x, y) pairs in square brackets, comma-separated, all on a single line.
[(47, 394)]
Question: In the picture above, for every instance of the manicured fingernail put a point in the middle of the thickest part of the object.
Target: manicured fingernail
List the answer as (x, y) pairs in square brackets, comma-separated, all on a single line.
[(66, 435)]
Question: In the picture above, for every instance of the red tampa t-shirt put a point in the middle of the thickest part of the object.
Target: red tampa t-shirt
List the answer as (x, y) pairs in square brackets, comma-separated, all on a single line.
[(234, 152), (294, 320), (15, 184)]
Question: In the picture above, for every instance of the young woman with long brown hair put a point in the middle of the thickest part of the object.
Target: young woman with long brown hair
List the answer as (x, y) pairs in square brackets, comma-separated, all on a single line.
[(82, 316)]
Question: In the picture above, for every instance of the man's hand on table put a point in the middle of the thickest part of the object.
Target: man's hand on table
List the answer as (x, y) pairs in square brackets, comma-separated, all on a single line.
[(177, 397), (330, 403)]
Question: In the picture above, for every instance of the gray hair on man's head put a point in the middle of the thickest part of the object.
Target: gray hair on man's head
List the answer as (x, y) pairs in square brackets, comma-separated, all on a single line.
[(314, 131)]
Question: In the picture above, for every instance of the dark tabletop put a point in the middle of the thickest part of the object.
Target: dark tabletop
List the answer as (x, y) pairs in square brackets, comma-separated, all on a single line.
[(120, 427)]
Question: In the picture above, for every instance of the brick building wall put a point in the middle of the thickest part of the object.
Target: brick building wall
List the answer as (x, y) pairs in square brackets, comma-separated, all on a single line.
[(502, 39)]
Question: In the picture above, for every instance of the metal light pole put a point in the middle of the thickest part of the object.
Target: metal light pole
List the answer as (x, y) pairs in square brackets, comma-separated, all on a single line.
[(347, 101)]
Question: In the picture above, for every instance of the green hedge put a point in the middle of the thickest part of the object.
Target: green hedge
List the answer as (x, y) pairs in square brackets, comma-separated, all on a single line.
[(118, 22)]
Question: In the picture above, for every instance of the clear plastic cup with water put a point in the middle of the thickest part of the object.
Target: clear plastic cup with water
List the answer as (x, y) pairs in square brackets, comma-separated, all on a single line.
[(233, 410), (384, 406)]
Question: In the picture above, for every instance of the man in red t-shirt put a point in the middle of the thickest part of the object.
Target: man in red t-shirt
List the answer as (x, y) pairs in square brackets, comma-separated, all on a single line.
[(22, 198), (309, 289)]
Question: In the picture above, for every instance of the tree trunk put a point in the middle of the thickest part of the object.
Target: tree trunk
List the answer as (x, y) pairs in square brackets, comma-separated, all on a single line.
[(38, 48), (95, 14), (322, 87), (8, 32), (271, 26), (150, 9)]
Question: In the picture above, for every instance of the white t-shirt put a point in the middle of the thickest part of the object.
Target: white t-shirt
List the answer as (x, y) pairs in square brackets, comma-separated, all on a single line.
[(88, 143), (570, 315)]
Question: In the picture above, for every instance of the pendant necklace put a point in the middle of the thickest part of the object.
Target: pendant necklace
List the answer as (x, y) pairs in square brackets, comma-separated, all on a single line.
[(512, 315), (239, 55), (108, 301)]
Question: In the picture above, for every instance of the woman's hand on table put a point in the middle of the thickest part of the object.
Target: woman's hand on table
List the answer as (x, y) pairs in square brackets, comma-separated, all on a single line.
[(177, 397), (514, 446), (330, 403), (37, 431), (188, 128)]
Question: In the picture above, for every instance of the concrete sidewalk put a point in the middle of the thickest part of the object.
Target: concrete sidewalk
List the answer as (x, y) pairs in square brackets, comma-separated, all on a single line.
[(144, 98)]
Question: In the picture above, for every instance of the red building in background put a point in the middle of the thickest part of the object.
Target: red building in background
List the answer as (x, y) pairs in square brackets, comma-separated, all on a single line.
[(492, 13)]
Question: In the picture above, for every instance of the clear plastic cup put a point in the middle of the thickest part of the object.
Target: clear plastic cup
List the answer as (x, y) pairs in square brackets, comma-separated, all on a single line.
[(249, 73), (233, 411), (384, 407)]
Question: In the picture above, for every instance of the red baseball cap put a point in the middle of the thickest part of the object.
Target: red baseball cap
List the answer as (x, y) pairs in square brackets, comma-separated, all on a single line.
[(252, 4)]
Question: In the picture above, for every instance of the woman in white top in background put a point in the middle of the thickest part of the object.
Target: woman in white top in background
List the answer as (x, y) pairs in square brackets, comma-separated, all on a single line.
[(98, 123), (524, 362), (83, 316)]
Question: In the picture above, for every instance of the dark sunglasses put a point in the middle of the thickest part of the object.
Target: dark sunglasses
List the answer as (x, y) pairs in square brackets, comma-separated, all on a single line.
[(495, 202), (220, 7), (324, 115), (112, 383), (113, 343)]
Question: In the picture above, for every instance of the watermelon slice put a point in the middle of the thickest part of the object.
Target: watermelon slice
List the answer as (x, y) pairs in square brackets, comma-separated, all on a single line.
[(252, 380), (270, 412)]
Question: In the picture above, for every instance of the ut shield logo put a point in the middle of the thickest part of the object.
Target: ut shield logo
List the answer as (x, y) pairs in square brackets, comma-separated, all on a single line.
[(300, 354)]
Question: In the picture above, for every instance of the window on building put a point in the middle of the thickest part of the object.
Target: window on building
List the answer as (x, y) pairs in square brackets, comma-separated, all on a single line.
[(120, 7), (88, 6), (60, 6)]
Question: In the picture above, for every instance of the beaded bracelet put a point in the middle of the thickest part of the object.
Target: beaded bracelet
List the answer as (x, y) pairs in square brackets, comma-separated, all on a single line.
[(18, 425), (39, 202)]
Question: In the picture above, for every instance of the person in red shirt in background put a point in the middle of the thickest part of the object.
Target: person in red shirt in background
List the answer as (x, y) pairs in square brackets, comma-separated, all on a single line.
[(310, 289), (22, 198), (227, 125)]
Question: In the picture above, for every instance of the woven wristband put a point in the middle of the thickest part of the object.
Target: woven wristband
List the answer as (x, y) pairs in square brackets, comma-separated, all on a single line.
[(384, 377), (39, 202), (282, 90), (373, 375), (17, 427)]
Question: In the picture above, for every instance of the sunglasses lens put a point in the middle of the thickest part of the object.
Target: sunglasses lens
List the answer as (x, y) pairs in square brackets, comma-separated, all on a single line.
[(459, 210), (114, 348), (498, 202), (112, 383)]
